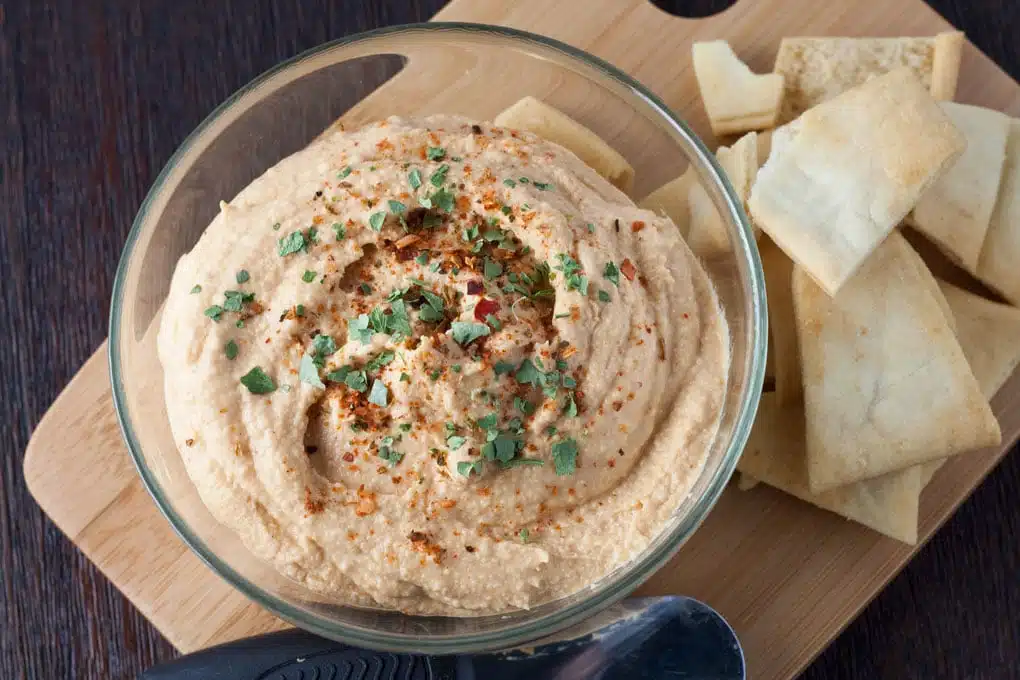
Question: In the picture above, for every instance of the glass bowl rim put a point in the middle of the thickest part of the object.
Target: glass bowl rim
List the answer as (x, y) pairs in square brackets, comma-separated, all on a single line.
[(636, 572)]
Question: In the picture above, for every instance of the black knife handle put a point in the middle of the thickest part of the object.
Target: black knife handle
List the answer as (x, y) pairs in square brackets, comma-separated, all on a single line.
[(298, 655)]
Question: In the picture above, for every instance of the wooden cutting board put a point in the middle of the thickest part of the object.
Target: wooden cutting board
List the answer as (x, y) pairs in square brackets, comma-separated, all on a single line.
[(787, 576)]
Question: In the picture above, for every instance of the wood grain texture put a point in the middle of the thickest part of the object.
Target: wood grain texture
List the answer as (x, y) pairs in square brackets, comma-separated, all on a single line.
[(97, 96)]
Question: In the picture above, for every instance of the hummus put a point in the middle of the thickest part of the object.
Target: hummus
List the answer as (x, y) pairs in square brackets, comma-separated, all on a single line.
[(442, 367)]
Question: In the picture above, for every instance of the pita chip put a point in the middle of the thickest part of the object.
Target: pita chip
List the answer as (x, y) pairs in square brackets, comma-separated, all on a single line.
[(555, 126), (956, 211), (843, 175), (886, 384), (815, 70), (989, 334), (997, 265), (735, 99), (933, 287), (687, 203), (775, 455), (782, 323)]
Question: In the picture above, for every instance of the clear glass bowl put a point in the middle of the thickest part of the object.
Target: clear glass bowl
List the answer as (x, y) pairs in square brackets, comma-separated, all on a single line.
[(466, 69)]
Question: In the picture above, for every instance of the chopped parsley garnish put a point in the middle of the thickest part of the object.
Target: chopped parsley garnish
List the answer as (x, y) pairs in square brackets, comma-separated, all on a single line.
[(344, 173), (308, 276), (435, 153), (386, 451), (376, 220), (492, 269), (434, 375), (242, 276), (443, 200), (561, 365), (239, 323), (359, 329), (399, 325), (396, 207), (570, 406), (230, 349), (465, 468), (299, 310), (487, 422), (524, 406), (572, 274), (292, 243), (522, 462), (465, 332), (439, 175), (469, 233), (236, 300), (591, 228), (324, 345), (493, 321), (551, 430), (356, 380), (423, 257), (196, 289), (379, 394), (503, 367), (569, 382), (528, 374), (313, 235), (564, 315), (308, 372), (506, 210), (523, 180), (214, 312), (564, 454), (380, 360), (414, 178), (432, 310), (405, 427), (542, 186), (340, 231), (604, 296), (523, 534), (612, 273), (404, 377), (456, 368), (258, 382), (365, 288), (455, 441), (509, 182)]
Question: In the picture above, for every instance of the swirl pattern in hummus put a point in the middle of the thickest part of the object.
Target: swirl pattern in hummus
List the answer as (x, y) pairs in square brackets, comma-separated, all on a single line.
[(442, 367)]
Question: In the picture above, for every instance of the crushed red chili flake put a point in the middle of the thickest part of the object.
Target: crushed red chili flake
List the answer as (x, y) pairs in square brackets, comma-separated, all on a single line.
[(617, 405), (349, 457), (475, 287), (484, 308), (628, 269), (637, 226)]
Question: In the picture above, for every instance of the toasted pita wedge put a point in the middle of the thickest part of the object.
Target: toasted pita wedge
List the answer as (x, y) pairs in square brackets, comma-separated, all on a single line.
[(685, 201), (932, 284), (782, 323), (928, 470), (1000, 253), (886, 384), (555, 126), (746, 482), (735, 99), (956, 210), (989, 334), (815, 70), (843, 175), (775, 454)]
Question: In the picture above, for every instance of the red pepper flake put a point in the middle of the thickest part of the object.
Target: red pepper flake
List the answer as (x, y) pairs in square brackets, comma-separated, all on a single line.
[(349, 457), (384, 144), (484, 308), (617, 405), (628, 269), (637, 226), (475, 287)]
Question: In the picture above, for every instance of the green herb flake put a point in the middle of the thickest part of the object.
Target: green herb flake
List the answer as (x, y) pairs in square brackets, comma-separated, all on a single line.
[(404, 377), (387, 452), (230, 349), (339, 375), (604, 296), (492, 269), (308, 276), (523, 180), (292, 243), (591, 228), (564, 453), (414, 178), (258, 382), (551, 430), (522, 462), (487, 422), (308, 372), (612, 273), (396, 207), (456, 368), (509, 182), (506, 210), (380, 360), (523, 534), (313, 235), (196, 289), (214, 312), (435, 153), (454, 442), (239, 323), (365, 288), (437, 178), (242, 276), (236, 300), (399, 324), (444, 200), (359, 329), (344, 173), (379, 394), (434, 375), (423, 257), (524, 406), (356, 380), (324, 345), (570, 406), (465, 332), (503, 367), (340, 231), (564, 315), (376, 220), (543, 186), (465, 468), (569, 382), (299, 310), (494, 322), (527, 374), (405, 427)]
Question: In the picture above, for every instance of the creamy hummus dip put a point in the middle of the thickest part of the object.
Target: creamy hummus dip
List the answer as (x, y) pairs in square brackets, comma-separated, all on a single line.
[(442, 367)]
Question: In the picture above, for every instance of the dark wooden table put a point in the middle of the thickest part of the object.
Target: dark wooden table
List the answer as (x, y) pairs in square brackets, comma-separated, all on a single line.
[(96, 95)]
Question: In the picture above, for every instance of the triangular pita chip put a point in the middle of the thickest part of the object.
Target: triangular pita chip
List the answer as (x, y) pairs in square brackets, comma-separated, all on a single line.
[(886, 385), (672, 199), (989, 334), (775, 454), (778, 270), (1000, 253), (817, 69), (843, 175), (956, 210), (735, 99), (555, 126), (932, 284)]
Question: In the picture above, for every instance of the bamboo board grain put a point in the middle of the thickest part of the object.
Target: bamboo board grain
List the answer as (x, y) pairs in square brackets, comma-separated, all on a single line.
[(789, 577)]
